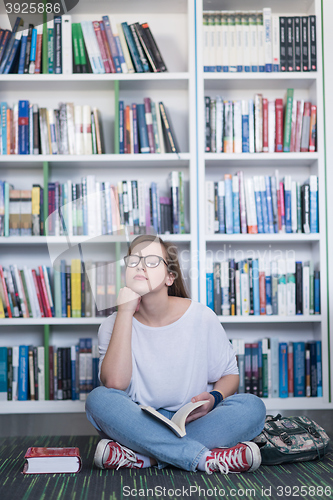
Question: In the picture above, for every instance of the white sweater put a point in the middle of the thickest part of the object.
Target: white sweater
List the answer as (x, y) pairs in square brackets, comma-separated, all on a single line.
[(173, 363)]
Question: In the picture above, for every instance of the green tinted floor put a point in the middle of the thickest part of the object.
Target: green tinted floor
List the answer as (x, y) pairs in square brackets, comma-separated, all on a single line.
[(308, 480)]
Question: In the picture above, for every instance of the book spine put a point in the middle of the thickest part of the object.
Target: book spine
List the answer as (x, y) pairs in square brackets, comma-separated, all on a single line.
[(313, 43)]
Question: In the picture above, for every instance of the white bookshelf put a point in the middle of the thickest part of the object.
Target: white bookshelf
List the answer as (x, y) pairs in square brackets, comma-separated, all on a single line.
[(213, 166), (172, 24)]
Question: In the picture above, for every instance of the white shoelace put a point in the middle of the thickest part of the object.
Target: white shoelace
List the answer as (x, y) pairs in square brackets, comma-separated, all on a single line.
[(230, 458), (122, 455)]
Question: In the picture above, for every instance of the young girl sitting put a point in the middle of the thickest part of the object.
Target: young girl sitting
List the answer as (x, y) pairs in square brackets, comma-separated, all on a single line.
[(164, 350)]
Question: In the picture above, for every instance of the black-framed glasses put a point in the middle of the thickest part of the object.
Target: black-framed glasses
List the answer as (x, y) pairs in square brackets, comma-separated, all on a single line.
[(150, 261)]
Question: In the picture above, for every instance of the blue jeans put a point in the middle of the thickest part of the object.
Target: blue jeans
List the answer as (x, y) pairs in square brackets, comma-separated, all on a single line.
[(112, 412)]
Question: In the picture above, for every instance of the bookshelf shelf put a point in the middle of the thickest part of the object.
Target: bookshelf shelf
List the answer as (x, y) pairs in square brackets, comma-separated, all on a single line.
[(50, 321), (270, 81), (259, 238), (261, 160), (315, 318), (42, 240)]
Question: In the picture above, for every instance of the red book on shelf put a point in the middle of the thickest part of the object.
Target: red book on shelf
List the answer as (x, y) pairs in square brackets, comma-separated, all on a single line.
[(38, 60), (313, 129), (101, 46), (107, 47), (44, 291), (37, 289), (127, 131), (265, 124), (262, 292), (278, 125), (52, 460), (283, 215), (5, 293)]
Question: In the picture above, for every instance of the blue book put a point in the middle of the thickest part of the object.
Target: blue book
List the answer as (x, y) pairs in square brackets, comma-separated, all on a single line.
[(23, 127), (311, 345), (121, 127), (143, 132), (210, 290), (4, 127), (299, 369), (83, 373), (10, 44), (316, 275), (235, 201), (287, 202), (314, 227), (23, 373), (154, 205), (255, 368), (3, 374), (268, 283), (264, 205), (33, 45), (319, 370), (89, 380), (12, 55), (257, 197), (269, 204), (120, 51), (132, 48), (135, 129), (283, 370), (95, 361), (63, 288), (245, 127), (275, 204), (229, 222), (255, 282), (220, 188)]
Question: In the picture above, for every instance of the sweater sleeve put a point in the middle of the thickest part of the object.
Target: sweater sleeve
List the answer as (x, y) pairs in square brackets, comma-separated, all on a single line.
[(221, 356)]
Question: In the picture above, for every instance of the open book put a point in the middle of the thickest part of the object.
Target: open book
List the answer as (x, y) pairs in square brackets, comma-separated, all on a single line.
[(177, 423)]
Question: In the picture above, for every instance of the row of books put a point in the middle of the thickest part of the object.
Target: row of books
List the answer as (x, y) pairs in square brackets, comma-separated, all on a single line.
[(70, 291), (94, 208), (145, 128), (260, 125), (73, 372), (258, 41), (261, 204), (70, 129), (270, 368), (63, 47), (251, 286)]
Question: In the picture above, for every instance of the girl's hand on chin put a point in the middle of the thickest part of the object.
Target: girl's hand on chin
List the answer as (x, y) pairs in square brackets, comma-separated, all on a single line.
[(128, 300)]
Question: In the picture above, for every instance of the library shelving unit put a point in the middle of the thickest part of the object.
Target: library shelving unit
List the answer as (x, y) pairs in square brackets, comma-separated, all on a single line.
[(172, 24), (213, 166)]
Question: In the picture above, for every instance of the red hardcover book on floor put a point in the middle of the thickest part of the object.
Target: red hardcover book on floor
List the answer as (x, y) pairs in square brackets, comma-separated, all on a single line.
[(265, 124), (52, 460), (278, 125)]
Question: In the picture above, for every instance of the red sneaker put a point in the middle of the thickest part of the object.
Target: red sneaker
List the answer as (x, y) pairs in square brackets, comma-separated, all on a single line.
[(244, 457), (112, 455)]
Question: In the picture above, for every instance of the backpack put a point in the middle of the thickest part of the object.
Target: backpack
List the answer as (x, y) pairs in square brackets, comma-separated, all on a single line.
[(291, 439)]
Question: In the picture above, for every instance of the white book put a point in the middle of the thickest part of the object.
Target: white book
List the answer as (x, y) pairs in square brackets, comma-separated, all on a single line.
[(206, 41), (232, 43), (31, 293), (86, 122), (130, 204), (142, 203), (245, 292), (91, 48), (251, 126), (225, 41), (51, 118), (48, 287), (218, 40), (239, 41), (271, 126), (70, 127), (251, 212), (261, 42), (237, 108), (253, 40), (127, 57), (220, 194), (69, 209), (276, 42), (66, 44), (306, 288), (293, 207), (15, 372), (246, 42), (219, 124), (267, 18), (282, 292), (20, 291), (238, 292), (78, 121), (41, 373), (91, 205), (96, 50), (258, 120), (212, 41), (210, 207), (291, 287), (98, 220)]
